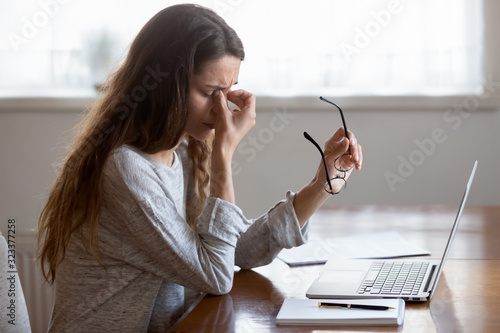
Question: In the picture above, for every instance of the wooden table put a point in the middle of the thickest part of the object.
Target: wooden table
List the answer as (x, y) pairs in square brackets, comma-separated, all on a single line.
[(467, 298)]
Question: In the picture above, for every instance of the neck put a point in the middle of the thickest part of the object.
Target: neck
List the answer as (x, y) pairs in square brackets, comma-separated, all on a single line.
[(166, 157)]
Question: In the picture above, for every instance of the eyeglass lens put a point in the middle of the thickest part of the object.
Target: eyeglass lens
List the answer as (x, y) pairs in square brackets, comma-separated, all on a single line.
[(337, 164)]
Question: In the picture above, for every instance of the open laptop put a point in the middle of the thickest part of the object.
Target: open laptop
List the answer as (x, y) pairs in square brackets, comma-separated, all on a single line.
[(411, 280)]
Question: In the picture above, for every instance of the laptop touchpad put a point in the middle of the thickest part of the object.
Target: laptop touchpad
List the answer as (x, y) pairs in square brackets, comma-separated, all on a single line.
[(342, 279)]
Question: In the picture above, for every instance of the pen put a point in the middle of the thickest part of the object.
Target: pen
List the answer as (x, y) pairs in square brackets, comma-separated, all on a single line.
[(353, 306)]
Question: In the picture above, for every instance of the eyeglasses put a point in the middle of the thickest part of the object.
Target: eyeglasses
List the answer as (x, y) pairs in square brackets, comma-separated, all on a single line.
[(338, 177)]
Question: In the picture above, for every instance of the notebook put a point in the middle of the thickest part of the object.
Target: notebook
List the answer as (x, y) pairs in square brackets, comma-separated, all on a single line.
[(307, 312), (411, 280)]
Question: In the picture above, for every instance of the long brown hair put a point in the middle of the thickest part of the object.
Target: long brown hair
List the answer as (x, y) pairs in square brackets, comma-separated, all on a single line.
[(144, 104)]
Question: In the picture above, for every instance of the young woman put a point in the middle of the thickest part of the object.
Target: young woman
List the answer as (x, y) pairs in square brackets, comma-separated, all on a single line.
[(143, 211)]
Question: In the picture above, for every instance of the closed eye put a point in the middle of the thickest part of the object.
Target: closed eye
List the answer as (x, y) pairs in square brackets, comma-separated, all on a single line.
[(216, 87)]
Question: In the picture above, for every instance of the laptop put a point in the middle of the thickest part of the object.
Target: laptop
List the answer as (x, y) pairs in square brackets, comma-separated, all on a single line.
[(411, 280)]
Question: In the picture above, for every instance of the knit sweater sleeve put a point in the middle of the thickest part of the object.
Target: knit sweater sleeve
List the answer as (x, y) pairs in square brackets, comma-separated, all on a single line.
[(160, 241), (277, 229)]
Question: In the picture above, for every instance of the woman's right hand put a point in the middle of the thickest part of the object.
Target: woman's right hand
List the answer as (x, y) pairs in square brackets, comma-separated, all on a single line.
[(232, 126), (313, 195)]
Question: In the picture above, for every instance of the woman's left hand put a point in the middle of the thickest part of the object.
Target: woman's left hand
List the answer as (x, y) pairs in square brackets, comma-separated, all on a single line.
[(232, 126)]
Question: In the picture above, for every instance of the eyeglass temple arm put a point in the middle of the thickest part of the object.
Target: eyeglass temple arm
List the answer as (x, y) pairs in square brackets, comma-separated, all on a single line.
[(341, 115), (308, 137)]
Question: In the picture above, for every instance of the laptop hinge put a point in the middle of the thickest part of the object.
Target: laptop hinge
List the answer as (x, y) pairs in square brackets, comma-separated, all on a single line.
[(432, 277)]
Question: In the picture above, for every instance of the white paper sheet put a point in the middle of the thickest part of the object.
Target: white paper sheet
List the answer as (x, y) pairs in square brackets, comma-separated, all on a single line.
[(307, 312), (388, 244)]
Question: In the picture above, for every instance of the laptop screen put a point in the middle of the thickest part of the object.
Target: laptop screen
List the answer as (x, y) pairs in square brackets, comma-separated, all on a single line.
[(453, 231)]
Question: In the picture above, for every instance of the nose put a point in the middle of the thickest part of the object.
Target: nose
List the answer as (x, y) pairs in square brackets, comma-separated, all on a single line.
[(225, 92)]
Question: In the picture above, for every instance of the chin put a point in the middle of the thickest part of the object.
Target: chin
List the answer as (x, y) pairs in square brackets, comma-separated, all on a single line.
[(202, 136)]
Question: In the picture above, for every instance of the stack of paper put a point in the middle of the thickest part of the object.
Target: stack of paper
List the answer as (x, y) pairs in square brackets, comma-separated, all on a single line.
[(387, 244), (307, 312)]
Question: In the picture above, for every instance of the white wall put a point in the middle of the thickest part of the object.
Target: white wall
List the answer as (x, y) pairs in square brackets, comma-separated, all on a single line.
[(281, 159), (31, 142), (289, 160)]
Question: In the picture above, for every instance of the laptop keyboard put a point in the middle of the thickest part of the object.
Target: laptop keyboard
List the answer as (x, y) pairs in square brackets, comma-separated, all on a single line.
[(394, 278)]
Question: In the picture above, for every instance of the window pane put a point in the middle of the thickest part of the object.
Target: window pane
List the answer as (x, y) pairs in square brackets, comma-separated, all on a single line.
[(293, 48)]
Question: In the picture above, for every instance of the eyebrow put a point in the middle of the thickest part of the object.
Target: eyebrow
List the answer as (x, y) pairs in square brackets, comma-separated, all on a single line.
[(216, 87)]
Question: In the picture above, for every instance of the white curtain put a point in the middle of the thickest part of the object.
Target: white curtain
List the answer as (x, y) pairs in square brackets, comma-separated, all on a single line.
[(361, 47), (294, 48)]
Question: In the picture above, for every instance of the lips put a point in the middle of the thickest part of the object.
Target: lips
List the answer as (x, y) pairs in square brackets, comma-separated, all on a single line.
[(211, 126)]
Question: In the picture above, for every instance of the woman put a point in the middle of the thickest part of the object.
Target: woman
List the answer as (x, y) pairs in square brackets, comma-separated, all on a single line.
[(144, 211)]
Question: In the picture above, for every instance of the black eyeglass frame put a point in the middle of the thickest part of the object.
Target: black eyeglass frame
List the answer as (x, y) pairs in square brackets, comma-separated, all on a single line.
[(329, 180)]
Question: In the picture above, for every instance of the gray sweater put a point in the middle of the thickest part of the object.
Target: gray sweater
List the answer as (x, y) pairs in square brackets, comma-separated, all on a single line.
[(152, 260)]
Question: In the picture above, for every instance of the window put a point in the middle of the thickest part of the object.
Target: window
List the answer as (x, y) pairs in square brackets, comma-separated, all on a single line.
[(381, 47)]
